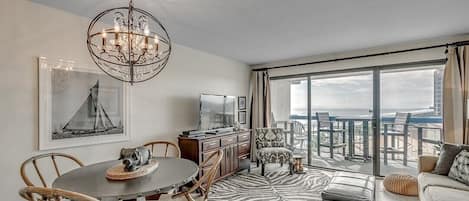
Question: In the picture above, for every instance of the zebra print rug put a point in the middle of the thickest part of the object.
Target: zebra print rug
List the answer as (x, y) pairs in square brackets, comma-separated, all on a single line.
[(274, 186)]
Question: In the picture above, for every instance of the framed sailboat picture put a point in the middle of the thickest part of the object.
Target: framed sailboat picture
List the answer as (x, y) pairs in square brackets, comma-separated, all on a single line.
[(80, 106)]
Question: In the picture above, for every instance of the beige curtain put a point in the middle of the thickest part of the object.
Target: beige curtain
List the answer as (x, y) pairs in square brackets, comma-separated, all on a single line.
[(259, 97), (455, 96)]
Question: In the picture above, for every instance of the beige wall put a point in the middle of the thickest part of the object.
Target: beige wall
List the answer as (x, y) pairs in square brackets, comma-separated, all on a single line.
[(160, 108)]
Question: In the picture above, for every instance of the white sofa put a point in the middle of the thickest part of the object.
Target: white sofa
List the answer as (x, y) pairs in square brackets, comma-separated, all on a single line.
[(433, 187)]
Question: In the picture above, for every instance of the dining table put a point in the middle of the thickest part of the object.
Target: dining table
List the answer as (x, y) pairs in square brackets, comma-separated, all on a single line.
[(91, 180)]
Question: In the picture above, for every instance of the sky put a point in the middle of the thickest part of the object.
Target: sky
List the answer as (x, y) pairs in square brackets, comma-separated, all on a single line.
[(400, 90)]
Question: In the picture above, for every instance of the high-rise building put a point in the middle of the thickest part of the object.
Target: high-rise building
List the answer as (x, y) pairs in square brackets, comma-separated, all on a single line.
[(438, 91)]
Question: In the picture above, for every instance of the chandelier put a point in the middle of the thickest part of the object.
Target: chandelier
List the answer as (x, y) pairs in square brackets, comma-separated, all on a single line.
[(128, 44)]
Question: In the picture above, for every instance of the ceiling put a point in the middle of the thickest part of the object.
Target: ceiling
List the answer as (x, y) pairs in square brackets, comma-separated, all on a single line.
[(260, 31)]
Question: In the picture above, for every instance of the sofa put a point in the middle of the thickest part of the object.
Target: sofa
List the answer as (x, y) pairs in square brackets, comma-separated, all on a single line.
[(433, 187)]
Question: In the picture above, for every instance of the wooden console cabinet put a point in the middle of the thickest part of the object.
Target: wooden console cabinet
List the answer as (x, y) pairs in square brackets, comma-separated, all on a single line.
[(236, 147)]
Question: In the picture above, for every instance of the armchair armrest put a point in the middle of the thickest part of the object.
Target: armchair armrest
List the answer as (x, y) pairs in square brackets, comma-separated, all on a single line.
[(427, 163)]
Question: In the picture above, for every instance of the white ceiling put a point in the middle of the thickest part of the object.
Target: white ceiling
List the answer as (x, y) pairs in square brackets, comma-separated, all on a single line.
[(259, 31)]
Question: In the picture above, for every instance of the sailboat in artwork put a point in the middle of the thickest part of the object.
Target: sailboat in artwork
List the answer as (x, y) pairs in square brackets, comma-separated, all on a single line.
[(91, 118)]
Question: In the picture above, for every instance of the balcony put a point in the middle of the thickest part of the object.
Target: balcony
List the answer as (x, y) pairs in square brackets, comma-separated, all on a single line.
[(424, 136)]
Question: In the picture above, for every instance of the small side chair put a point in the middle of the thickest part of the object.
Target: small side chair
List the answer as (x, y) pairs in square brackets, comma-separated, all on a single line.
[(33, 193), (271, 148), (53, 156)]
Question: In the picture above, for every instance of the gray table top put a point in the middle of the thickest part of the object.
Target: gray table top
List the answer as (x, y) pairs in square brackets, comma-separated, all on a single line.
[(91, 180)]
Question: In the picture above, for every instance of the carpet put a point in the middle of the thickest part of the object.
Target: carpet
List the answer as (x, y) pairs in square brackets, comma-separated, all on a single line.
[(274, 186)]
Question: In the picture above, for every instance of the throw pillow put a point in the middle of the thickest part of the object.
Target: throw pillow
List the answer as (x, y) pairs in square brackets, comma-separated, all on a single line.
[(447, 154), (460, 168)]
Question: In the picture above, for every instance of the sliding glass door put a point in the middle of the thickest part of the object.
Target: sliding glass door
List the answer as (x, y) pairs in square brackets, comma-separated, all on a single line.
[(330, 117), (411, 122), (344, 142)]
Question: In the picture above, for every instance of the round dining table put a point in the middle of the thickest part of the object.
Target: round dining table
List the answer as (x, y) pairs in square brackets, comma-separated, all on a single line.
[(91, 180)]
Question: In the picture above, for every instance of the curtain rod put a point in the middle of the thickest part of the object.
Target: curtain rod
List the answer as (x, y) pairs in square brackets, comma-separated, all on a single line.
[(459, 43)]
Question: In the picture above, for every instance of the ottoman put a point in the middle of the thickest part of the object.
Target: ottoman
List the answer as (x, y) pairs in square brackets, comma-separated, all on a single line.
[(346, 186), (401, 184)]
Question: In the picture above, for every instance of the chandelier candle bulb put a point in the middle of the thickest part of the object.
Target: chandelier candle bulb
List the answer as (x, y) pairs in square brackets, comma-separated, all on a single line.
[(104, 39)]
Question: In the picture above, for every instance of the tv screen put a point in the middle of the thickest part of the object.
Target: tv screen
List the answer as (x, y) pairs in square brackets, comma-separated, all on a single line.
[(216, 111)]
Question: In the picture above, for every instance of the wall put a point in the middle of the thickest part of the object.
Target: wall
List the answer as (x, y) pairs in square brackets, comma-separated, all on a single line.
[(160, 108), (422, 55)]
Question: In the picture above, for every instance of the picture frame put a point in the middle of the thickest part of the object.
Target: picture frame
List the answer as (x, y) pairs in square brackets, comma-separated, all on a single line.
[(242, 117), (80, 106), (241, 102)]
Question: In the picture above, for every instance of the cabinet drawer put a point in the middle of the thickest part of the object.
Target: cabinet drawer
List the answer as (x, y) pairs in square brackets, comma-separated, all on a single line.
[(228, 140), (243, 148), (212, 144), (205, 156), (244, 137)]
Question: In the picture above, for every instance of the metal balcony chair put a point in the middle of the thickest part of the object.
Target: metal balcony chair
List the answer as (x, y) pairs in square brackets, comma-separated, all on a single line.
[(326, 125), (398, 128), (300, 136)]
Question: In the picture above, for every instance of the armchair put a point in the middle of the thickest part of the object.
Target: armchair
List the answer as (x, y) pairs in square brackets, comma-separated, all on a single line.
[(271, 148)]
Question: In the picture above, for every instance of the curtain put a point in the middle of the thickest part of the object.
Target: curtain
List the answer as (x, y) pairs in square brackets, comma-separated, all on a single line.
[(259, 97), (455, 96)]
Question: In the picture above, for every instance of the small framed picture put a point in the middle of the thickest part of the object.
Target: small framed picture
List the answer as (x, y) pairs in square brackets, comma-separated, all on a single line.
[(242, 117), (241, 102)]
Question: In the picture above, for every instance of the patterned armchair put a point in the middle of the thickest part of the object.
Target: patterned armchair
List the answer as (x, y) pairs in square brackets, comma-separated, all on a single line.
[(271, 148)]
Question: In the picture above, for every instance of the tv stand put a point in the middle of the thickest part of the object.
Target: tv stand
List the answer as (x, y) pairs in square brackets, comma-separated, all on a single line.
[(236, 146)]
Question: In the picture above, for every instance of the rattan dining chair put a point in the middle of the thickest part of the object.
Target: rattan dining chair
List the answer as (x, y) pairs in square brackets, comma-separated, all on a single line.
[(166, 145), (209, 168), (53, 156), (33, 193)]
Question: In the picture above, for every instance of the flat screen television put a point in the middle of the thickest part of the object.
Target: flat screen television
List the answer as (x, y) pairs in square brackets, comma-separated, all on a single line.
[(216, 111)]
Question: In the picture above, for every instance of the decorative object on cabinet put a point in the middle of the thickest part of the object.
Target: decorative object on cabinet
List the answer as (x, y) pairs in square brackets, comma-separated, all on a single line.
[(134, 48), (80, 106)]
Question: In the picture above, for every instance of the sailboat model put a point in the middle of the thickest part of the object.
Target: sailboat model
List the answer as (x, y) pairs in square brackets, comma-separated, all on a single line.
[(91, 118)]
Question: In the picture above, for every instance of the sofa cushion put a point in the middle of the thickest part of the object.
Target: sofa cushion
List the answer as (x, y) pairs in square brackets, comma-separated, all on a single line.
[(447, 154), (427, 180), (460, 168), (437, 193)]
